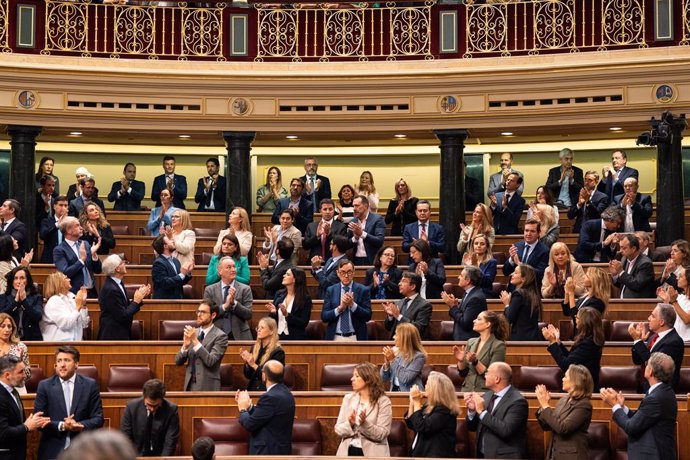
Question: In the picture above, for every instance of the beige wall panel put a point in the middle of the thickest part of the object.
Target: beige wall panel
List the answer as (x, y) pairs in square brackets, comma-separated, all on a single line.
[(476, 103), (264, 107), (8, 98), (54, 101), (425, 104), (643, 94), (216, 106)]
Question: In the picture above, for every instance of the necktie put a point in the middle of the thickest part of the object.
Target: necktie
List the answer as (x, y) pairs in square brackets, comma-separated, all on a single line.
[(653, 341), (329, 264), (227, 319), (492, 402), (59, 234), (313, 194), (345, 326), (85, 271), (381, 292), (323, 240), (18, 400), (525, 254), (404, 305), (66, 391), (201, 336), (148, 442), (422, 232)]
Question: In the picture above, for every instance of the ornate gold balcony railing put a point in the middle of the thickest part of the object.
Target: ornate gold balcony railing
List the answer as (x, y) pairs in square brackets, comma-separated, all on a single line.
[(686, 23), (4, 27)]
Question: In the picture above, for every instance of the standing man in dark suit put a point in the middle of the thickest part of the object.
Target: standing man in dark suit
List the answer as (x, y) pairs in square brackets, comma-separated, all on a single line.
[(319, 234), (465, 311), (128, 192), (117, 312), (234, 301), (366, 231), (597, 237), (636, 207), (270, 421), (507, 207), (529, 251), (77, 259), (413, 308), (316, 187), (565, 181), (9, 213), (651, 429), (88, 196), (176, 183), (499, 416), (14, 425), (662, 337), (272, 277), (45, 197), (151, 422), (346, 307), (304, 209), (590, 202), (635, 273), (424, 229), (167, 273), (497, 181), (67, 389), (202, 351), (326, 273), (49, 231), (210, 191), (613, 177)]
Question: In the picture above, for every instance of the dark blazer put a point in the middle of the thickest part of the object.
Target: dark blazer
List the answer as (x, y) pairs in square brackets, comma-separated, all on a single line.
[(326, 277), (524, 325), (671, 344), (585, 352), (86, 407), (591, 302), (590, 210), (313, 243), (128, 201), (590, 243), (302, 219), (642, 211), (77, 204), (272, 277), (651, 429), (164, 433), (218, 195), (376, 233), (390, 287), (179, 191), (504, 431), (107, 240), (435, 277), (117, 312), (297, 320), (254, 375), (569, 422), (640, 282), (359, 317), (407, 216), (48, 232), (17, 230), (488, 269), (435, 234), (31, 310), (206, 359), (464, 314), (12, 430), (68, 263), (609, 189), (538, 259), (435, 432), (270, 422), (323, 192), (506, 221), (41, 212), (417, 312), (573, 188), (167, 283), (72, 191)]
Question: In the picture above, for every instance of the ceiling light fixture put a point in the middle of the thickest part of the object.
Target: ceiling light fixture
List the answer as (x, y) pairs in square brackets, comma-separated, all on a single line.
[(506, 133), (615, 128), (292, 137), (75, 133), (400, 136), (184, 136)]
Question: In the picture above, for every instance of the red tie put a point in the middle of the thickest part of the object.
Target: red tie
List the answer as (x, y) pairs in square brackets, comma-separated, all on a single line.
[(422, 234), (653, 341)]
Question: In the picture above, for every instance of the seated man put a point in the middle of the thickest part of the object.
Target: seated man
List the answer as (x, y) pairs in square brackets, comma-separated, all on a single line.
[(424, 229), (590, 202), (128, 192), (88, 195), (507, 207), (326, 273), (272, 277), (412, 308), (565, 181), (211, 189), (635, 273), (612, 177), (644, 240), (465, 311), (176, 183), (167, 273), (497, 181), (636, 206), (319, 234), (304, 209), (346, 307), (530, 251), (366, 231), (233, 299), (596, 242)]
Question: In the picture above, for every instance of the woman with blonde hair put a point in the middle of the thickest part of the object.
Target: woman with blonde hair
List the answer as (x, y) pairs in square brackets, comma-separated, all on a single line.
[(433, 423), (597, 284), (268, 195), (482, 257), (11, 345), (266, 348), (366, 187), (65, 316), (549, 229), (365, 416), (482, 224), (96, 226), (180, 237), (403, 364), (562, 265), (238, 225), (570, 419), (402, 208)]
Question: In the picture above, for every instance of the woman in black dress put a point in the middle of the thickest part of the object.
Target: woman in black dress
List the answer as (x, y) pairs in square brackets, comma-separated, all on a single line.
[(267, 347), (401, 209)]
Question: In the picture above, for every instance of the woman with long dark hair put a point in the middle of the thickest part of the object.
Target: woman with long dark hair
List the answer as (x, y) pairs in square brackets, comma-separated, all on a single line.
[(46, 168), (96, 226), (291, 307), (345, 210), (230, 247), (429, 268), (523, 306), (23, 302), (383, 278)]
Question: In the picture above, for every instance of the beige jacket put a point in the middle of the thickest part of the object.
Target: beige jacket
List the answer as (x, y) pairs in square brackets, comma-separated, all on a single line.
[(374, 431)]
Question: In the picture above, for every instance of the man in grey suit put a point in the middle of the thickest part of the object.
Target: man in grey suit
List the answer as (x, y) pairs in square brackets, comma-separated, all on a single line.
[(202, 351), (651, 428), (497, 182), (413, 308), (234, 301), (499, 416)]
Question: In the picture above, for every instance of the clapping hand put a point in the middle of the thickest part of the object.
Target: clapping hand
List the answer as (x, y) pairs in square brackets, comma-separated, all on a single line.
[(636, 331), (448, 299), (543, 396), (550, 333), (262, 260), (141, 293), (505, 297), (391, 309), (612, 397), (459, 353), (271, 308), (388, 356), (243, 400), (28, 257), (422, 268), (247, 357), (469, 402), (96, 247)]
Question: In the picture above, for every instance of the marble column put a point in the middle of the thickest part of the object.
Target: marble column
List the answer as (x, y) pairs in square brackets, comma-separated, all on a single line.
[(22, 180), (238, 145), (670, 206)]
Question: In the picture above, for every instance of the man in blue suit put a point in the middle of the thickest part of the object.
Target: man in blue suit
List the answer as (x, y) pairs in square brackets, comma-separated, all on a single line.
[(346, 307), (49, 231), (597, 236), (366, 232), (9, 212), (270, 420), (166, 272), (176, 183), (424, 229), (67, 389), (304, 209), (590, 202), (77, 259), (636, 207), (530, 251), (326, 273), (507, 207), (128, 192), (210, 191), (464, 311), (613, 177)]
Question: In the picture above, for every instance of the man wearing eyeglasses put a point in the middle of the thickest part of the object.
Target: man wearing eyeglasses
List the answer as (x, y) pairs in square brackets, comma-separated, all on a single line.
[(346, 307), (202, 351)]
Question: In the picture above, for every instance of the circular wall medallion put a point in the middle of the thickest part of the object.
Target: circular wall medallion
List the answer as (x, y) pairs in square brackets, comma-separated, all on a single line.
[(665, 93), (26, 99), (449, 104), (240, 106)]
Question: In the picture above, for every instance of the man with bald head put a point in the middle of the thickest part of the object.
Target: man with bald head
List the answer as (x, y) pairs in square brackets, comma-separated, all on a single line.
[(270, 421), (636, 206), (499, 416)]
